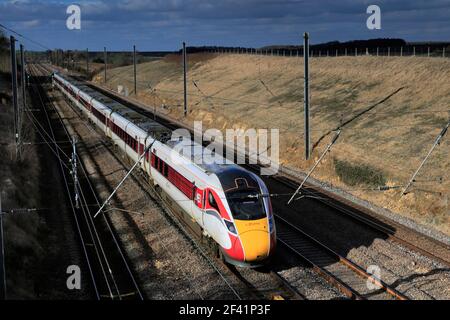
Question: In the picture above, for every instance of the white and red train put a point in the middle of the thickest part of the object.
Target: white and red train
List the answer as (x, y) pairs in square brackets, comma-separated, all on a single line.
[(228, 203)]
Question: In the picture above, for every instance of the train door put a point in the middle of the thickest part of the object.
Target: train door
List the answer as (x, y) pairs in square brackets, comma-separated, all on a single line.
[(212, 220), (108, 125), (147, 157), (199, 205)]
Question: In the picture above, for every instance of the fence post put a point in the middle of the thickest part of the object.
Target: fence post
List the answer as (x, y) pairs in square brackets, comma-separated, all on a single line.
[(428, 51), (401, 51), (378, 51), (345, 51), (414, 51), (389, 51), (443, 52)]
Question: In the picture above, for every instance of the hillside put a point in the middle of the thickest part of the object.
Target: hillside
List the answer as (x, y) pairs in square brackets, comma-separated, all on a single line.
[(410, 98)]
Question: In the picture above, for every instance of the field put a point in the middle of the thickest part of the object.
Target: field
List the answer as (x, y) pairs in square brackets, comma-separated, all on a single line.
[(407, 98)]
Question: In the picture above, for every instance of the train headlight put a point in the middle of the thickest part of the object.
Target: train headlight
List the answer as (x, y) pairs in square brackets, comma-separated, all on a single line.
[(230, 226)]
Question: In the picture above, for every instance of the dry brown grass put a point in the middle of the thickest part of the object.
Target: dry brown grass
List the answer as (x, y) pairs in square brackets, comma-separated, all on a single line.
[(237, 91)]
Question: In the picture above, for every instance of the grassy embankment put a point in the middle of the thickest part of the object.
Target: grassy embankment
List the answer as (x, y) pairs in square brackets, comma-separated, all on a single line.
[(384, 146)]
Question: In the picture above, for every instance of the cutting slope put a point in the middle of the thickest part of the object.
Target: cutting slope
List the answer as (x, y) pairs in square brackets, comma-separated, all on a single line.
[(407, 99)]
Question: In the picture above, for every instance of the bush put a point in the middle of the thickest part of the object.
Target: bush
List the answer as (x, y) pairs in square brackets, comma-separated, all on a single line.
[(354, 174)]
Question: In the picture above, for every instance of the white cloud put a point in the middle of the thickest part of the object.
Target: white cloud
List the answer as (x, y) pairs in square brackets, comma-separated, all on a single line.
[(31, 23)]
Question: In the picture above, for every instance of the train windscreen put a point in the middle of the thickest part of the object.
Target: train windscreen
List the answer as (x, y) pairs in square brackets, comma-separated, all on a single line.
[(246, 204)]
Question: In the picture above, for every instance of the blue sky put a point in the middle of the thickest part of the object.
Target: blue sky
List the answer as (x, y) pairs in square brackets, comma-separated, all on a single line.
[(164, 24)]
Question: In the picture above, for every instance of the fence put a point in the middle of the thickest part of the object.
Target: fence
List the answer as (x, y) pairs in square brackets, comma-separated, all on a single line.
[(406, 51)]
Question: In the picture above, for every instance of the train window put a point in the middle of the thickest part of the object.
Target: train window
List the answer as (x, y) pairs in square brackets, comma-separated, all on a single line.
[(246, 205), (166, 170), (212, 201), (153, 160)]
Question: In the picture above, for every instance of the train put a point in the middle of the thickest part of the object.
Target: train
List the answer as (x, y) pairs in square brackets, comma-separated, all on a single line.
[(227, 203)]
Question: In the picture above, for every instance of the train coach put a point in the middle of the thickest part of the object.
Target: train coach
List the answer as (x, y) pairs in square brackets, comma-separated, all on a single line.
[(228, 204)]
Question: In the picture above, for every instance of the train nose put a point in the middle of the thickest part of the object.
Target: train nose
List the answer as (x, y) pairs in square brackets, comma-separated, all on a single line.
[(256, 245), (255, 239)]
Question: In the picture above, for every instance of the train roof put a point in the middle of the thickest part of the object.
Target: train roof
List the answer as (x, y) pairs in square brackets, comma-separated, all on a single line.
[(164, 134), (197, 154), (150, 126), (236, 178)]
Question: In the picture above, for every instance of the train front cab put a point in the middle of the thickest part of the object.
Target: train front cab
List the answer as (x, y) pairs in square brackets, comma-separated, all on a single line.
[(251, 232)]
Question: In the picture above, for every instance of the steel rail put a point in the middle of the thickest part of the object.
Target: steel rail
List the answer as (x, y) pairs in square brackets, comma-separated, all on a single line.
[(386, 226), (77, 222), (281, 282), (172, 123), (322, 256), (107, 224), (290, 181), (95, 240)]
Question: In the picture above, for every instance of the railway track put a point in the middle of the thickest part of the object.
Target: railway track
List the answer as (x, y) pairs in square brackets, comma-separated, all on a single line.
[(389, 229), (110, 273), (262, 283), (255, 284), (343, 276), (348, 277), (385, 227)]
